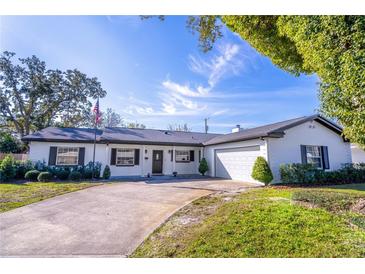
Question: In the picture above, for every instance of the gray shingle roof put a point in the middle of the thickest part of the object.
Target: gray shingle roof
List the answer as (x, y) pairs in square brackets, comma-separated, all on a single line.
[(167, 137), (154, 136), (271, 130), (58, 134), (120, 135)]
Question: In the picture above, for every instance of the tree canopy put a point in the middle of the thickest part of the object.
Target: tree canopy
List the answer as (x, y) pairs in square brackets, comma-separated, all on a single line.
[(333, 47), (179, 127), (33, 97), (9, 144), (134, 125), (110, 118)]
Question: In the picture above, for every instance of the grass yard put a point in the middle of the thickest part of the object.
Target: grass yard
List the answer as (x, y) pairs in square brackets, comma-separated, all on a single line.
[(17, 195), (268, 222)]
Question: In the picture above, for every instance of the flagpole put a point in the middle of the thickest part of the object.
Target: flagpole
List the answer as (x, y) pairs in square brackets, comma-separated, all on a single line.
[(95, 129)]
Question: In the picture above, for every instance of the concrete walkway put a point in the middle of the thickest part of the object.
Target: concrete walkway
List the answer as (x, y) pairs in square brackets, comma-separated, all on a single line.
[(107, 220)]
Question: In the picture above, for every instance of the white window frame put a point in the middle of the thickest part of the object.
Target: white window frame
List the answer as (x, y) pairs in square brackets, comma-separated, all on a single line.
[(182, 156), (122, 153), (75, 150), (320, 156)]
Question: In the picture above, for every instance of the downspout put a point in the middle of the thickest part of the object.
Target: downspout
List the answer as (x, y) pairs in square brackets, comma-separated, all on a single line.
[(142, 159), (173, 158)]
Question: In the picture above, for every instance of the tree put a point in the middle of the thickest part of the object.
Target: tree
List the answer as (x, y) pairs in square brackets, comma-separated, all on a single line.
[(135, 125), (261, 171), (106, 173), (33, 97), (330, 46), (179, 127), (7, 169), (110, 118), (9, 144), (203, 166)]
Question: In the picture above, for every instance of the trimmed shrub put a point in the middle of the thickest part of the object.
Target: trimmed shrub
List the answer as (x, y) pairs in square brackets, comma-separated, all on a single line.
[(62, 174), (44, 176), (203, 166), (40, 165), (297, 173), (88, 173), (96, 168), (7, 168), (22, 167), (52, 169), (75, 176), (106, 172), (31, 175), (261, 171), (307, 174)]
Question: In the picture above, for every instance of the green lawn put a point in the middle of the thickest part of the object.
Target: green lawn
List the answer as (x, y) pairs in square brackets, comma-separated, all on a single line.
[(269, 222), (16, 195)]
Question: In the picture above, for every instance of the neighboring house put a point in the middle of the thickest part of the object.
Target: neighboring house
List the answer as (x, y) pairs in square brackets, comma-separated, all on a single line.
[(139, 152), (358, 154)]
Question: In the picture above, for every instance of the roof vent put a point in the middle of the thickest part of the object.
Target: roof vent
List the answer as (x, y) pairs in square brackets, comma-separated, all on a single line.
[(236, 129)]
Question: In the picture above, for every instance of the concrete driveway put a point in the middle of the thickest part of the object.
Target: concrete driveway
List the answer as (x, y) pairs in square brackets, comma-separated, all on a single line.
[(107, 220)]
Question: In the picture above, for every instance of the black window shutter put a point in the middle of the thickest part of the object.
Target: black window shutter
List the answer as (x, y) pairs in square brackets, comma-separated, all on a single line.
[(200, 156), (113, 157), (52, 156), (136, 157), (172, 155), (192, 152), (326, 162), (303, 150), (81, 156)]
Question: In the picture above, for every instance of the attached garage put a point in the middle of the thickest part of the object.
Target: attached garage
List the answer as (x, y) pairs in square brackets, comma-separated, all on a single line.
[(236, 163)]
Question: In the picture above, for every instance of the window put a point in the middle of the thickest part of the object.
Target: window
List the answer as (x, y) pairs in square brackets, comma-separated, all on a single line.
[(314, 156), (182, 156), (125, 157), (67, 156)]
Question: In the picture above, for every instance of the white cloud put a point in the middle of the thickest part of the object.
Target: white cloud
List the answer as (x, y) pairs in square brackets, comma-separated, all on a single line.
[(168, 108), (224, 63), (219, 112), (177, 99), (228, 60), (185, 89)]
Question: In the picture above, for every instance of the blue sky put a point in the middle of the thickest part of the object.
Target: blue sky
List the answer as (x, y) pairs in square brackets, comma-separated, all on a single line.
[(155, 74)]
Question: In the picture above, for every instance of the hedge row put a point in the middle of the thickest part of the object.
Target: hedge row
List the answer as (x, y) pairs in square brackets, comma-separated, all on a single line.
[(308, 174), (11, 169)]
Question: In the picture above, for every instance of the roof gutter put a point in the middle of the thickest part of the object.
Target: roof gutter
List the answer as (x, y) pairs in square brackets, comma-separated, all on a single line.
[(105, 141), (270, 135)]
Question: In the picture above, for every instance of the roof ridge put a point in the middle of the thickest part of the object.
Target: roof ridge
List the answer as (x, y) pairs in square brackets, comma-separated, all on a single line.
[(163, 130), (271, 124)]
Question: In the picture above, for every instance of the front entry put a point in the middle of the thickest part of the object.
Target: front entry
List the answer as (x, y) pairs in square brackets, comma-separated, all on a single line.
[(157, 160)]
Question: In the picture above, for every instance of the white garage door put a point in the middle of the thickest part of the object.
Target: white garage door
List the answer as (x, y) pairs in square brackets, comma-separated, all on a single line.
[(236, 163)]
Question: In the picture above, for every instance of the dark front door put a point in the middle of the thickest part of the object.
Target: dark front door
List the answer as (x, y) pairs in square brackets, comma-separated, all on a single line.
[(157, 161)]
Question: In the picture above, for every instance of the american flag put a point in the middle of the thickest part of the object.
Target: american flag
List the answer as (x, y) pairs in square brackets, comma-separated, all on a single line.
[(97, 112)]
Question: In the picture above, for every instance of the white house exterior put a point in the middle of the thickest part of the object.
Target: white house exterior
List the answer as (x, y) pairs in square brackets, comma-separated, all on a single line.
[(358, 154), (142, 152), (39, 151)]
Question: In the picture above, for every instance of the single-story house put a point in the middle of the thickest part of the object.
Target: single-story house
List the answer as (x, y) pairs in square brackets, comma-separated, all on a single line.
[(142, 152)]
